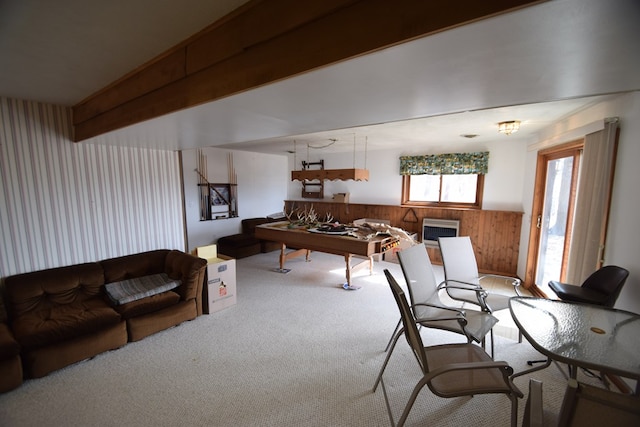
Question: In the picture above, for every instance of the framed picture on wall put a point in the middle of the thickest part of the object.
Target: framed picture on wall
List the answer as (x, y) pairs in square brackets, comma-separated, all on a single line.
[(219, 194)]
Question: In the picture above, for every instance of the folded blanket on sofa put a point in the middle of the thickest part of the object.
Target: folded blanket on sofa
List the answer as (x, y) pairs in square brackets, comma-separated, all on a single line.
[(140, 287)]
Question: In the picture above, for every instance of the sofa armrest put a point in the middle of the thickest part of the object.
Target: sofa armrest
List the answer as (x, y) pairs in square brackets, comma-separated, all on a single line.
[(191, 270), (9, 347), (249, 225)]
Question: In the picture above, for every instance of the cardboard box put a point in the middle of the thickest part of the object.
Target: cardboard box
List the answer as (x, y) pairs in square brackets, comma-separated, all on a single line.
[(392, 255), (341, 197), (207, 252), (221, 285), (220, 290)]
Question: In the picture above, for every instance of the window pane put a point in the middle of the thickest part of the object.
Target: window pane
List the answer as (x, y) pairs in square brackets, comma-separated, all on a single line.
[(424, 188), (458, 188)]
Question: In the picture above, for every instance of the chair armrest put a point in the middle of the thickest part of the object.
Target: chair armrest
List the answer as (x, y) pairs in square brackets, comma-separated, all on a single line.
[(459, 316), (481, 293), (466, 366), (440, 307), (471, 286), (515, 282)]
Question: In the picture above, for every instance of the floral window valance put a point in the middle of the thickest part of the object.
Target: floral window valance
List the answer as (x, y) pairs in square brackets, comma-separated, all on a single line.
[(445, 164)]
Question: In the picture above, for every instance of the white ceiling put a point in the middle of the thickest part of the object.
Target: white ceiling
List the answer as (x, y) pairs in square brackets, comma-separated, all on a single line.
[(537, 65)]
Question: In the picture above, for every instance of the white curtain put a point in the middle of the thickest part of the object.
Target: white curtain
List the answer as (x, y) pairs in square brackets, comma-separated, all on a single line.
[(592, 204)]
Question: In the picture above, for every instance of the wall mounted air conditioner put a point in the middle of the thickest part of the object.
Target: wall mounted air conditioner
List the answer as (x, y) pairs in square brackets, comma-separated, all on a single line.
[(433, 228)]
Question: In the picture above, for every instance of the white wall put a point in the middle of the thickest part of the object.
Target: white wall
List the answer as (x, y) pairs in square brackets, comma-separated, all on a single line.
[(623, 238), (503, 184), (64, 203), (262, 184)]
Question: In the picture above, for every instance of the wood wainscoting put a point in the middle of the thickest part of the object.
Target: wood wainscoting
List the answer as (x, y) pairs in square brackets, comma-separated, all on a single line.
[(495, 234)]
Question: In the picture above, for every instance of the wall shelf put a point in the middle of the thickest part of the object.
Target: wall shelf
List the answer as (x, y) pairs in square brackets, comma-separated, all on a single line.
[(331, 174), (313, 188), (218, 201)]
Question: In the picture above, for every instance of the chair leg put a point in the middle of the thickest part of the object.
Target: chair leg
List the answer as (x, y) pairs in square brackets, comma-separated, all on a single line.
[(386, 401), (386, 359), (412, 399), (395, 331), (492, 346), (514, 410)]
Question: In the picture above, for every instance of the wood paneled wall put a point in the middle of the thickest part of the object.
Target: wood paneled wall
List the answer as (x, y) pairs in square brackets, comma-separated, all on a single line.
[(495, 234)]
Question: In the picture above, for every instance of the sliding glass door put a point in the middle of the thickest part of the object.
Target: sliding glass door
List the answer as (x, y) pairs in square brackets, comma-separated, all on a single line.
[(555, 219), (556, 188)]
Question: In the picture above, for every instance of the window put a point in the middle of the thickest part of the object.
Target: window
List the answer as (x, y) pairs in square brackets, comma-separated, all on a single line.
[(443, 190), (451, 180)]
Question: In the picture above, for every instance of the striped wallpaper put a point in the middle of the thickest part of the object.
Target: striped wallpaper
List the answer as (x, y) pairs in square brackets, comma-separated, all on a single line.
[(64, 203)]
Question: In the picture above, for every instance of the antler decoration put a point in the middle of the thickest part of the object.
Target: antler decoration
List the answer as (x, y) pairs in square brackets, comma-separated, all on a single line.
[(306, 218)]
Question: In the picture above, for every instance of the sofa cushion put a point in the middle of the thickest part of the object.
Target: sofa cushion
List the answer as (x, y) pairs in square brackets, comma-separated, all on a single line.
[(41, 290), (249, 224), (238, 240), (135, 265), (148, 305), (58, 323), (126, 291)]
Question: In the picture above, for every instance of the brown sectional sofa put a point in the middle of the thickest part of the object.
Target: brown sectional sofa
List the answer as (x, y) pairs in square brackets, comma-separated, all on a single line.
[(10, 363), (245, 244), (61, 316)]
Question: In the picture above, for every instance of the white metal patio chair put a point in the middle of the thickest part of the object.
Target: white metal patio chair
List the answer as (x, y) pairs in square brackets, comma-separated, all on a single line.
[(461, 269), (427, 308)]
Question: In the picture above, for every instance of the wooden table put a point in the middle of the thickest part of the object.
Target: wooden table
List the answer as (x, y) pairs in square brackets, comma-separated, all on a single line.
[(305, 241)]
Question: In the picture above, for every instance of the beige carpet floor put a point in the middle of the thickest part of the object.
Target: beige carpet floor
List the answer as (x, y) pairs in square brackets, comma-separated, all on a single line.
[(296, 350)]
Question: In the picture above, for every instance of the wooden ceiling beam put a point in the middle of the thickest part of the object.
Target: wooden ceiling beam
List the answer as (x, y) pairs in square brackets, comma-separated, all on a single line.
[(264, 42)]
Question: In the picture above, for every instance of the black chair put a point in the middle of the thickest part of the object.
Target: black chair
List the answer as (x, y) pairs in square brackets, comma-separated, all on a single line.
[(601, 288)]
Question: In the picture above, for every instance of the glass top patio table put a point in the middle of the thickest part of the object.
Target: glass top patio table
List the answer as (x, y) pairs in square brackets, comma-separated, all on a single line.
[(581, 335)]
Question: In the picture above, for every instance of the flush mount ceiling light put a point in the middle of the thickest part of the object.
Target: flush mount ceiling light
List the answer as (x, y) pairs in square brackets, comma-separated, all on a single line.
[(509, 127)]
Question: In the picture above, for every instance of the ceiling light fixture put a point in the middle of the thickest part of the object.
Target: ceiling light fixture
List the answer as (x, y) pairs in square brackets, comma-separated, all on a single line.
[(509, 127), (331, 174)]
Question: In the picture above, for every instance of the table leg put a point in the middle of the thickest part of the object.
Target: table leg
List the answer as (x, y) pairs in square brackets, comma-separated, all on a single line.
[(350, 269), (347, 261), (283, 256)]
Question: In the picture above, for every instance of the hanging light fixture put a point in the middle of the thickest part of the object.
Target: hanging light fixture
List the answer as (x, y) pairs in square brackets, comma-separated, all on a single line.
[(332, 174), (509, 127)]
